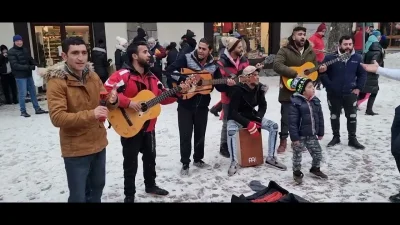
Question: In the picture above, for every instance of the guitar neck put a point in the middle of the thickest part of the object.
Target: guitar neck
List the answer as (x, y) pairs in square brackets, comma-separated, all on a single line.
[(224, 80), (330, 62), (163, 96)]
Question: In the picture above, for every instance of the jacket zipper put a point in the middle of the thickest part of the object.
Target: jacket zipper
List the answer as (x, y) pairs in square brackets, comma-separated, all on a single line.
[(312, 118)]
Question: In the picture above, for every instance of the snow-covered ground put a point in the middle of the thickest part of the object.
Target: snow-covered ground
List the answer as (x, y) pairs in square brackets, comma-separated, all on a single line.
[(31, 168)]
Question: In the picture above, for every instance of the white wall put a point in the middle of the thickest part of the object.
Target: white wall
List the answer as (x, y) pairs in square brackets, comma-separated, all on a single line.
[(6, 34), (174, 31), (112, 31), (286, 29)]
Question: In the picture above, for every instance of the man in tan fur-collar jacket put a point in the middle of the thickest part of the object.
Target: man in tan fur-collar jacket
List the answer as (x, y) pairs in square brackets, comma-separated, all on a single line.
[(73, 95)]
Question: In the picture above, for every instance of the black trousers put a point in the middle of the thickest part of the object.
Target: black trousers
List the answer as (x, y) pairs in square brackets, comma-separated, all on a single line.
[(349, 104), (189, 122), (285, 108), (395, 143), (145, 143), (10, 88)]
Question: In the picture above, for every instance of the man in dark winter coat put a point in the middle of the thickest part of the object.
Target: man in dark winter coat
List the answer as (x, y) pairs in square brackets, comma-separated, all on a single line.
[(375, 52), (141, 35), (7, 79), (172, 53), (193, 112), (188, 44), (157, 53), (22, 65), (295, 51), (120, 53), (242, 114), (343, 82), (100, 62)]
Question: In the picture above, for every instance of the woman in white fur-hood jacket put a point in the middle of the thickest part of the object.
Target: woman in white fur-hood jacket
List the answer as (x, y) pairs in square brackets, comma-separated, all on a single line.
[(120, 53)]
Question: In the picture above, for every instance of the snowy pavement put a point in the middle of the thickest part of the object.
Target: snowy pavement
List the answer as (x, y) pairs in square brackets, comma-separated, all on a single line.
[(31, 168)]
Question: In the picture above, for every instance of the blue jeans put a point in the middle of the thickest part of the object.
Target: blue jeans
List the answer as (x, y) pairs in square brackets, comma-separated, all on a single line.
[(24, 85), (86, 177), (233, 132)]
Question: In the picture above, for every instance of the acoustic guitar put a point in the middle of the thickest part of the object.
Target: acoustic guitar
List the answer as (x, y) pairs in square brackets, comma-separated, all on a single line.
[(203, 82), (127, 122), (309, 70)]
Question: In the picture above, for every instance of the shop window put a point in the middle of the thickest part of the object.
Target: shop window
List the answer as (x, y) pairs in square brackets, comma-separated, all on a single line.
[(392, 32), (256, 32), (79, 31), (48, 44)]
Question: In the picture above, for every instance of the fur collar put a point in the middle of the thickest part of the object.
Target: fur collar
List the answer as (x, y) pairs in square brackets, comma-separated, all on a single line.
[(61, 70)]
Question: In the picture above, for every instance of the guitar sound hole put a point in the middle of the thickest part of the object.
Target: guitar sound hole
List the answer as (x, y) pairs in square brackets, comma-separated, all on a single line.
[(144, 107), (199, 83), (306, 72)]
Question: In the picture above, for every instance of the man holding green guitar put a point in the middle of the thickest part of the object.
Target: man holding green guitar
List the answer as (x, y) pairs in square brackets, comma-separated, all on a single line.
[(295, 52)]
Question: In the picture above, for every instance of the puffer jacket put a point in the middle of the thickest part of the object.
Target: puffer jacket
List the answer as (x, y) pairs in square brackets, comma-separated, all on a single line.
[(375, 52), (305, 117), (100, 63), (22, 63)]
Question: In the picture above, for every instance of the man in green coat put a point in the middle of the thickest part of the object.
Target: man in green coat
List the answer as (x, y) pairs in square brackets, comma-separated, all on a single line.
[(294, 52)]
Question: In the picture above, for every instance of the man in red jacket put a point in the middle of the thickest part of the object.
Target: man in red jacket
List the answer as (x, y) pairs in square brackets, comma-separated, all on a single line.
[(130, 80), (317, 40)]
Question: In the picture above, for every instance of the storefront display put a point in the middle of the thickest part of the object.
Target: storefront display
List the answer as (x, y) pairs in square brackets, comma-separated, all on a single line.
[(392, 32), (47, 40), (256, 33)]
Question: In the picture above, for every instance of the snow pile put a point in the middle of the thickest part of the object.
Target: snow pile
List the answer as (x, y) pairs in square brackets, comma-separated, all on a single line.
[(32, 170)]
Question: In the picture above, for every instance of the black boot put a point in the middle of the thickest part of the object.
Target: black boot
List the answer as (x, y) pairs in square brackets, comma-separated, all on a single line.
[(25, 114), (335, 140), (155, 190), (370, 104), (41, 111), (214, 111), (352, 128), (335, 123), (395, 198), (223, 150), (129, 199), (353, 142)]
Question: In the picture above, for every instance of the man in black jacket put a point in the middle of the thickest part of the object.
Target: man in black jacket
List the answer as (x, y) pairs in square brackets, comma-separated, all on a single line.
[(188, 43), (100, 62), (22, 65), (193, 112), (343, 82), (241, 114), (7, 79)]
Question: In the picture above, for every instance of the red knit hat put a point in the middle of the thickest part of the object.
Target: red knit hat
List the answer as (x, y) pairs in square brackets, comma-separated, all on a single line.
[(321, 27)]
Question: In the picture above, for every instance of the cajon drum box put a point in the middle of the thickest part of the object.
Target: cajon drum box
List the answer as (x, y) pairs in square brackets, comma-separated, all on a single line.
[(250, 150)]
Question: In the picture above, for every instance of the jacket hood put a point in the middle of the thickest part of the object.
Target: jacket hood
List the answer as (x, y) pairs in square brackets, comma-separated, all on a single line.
[(61, 70)]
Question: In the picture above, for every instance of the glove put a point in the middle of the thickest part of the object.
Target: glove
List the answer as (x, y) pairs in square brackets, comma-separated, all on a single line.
[(252, 128)]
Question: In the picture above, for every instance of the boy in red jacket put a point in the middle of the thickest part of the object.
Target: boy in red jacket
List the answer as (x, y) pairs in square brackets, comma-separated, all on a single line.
[(130, 80), (317, 40)]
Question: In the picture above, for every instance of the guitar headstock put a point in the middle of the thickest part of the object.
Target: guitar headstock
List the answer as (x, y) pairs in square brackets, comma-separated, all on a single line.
[(269, 59)]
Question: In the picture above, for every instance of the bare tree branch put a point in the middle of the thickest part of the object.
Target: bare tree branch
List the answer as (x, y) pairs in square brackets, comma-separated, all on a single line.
[(338, 30)]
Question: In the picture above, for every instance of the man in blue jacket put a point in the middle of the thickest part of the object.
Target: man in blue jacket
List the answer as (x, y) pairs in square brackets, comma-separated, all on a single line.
[(343, 81)]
